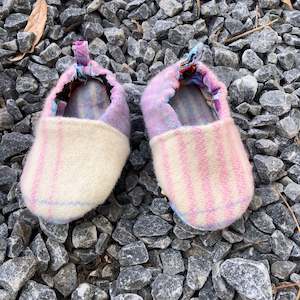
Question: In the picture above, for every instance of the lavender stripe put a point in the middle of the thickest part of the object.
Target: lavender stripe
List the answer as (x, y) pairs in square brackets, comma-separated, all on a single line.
[(216, 209), (207, 227), (69, 203)]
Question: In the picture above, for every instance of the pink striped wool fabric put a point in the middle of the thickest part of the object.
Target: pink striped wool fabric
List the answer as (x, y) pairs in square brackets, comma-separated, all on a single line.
[(204, 169), (72, 167), (74, 163)]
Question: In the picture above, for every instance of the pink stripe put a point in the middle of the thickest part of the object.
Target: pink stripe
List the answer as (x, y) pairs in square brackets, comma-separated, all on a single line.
[(204, 175), (167, 177), (40, 165), (218, 208), (183, 158), (166, 167), (236, 159), (57, 165), (223, 173)]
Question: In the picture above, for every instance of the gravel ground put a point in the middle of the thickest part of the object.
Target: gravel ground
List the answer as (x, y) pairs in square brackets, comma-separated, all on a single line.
[(134, 247)]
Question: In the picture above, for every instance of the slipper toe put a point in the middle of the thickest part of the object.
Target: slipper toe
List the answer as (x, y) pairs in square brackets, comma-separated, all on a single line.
[(205, 172), (72, 167)]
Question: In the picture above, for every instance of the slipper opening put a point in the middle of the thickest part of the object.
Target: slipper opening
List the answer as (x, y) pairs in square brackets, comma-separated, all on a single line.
[(85, 97), (192, 102)]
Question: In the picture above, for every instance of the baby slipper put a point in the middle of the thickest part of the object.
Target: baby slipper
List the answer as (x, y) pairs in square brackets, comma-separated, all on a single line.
[(81, 143), (199, 159)]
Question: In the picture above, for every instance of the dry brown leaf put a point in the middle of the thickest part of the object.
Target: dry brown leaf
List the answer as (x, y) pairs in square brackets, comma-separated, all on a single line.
[(36, 23), (298, 294), (288, 3)]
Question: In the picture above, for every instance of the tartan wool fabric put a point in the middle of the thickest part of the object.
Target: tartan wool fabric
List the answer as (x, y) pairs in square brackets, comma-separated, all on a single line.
[(203, 169)]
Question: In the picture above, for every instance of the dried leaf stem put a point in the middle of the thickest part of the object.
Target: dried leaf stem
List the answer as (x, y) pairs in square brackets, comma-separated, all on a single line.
[(237, 37)]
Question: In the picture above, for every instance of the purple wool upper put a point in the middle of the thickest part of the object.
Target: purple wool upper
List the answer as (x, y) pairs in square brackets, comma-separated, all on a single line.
[(159, 115), (117, 113)]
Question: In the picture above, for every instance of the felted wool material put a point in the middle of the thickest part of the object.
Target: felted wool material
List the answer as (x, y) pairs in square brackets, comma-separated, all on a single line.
[(205, 172), (72, 167), (116, 115), (75, 162), (204, 169)]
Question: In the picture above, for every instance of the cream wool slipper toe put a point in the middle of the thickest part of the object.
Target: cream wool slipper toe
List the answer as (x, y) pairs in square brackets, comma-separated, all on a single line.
[(199, 159), (81, 143)]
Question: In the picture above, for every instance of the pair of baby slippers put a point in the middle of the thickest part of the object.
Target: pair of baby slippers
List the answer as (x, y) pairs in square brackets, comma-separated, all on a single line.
[(82, 144)]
